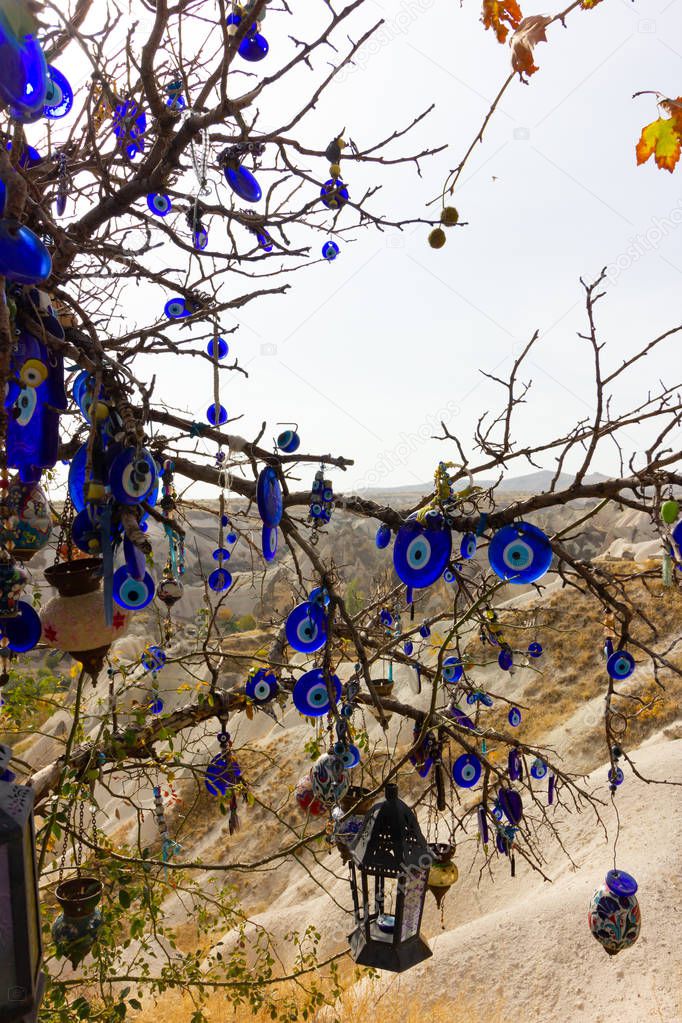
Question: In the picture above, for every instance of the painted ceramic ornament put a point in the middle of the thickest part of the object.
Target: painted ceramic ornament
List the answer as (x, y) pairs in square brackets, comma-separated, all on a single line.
[(467, 547), (269, 496), (262, 686), (452, 670), (614, 916), (13, 580), (383, 537), (221, 417), (334, 194), (26, 509), (466, 770), (75, 620), (217, 348), (132, 475), (23, 73), (242, 182), (58, 96), (306, 628), (421, 551), (330, 251), (329, 778), (33, 426), (306, 799), (130, 593), (23, 257), (310, 693), (520, 553), (159, 204), (269, 542), (620, 665), (288, 441)]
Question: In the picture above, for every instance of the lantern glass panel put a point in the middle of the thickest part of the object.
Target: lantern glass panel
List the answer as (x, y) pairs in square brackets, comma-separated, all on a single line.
[(32, 905), (8, 969), (414, 887)]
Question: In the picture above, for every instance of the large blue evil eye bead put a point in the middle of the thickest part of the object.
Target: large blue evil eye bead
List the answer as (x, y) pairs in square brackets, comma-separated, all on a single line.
[(334, 194), (262, 686), (520, 553), (310, 693), (131, 593), (159, 204), (505, 659), (620, 665), (514, 717), (386, 618), (466, 770), (330, 251), (23, 257), (59, 95), (452, 670), (221, 348), (176, 308), (219, 580), (467, 547), (306, 628), (269, 497), (288, 441), (535, 650), (383, 537), (538, 769), (269, 538), (242, 182), (211, 416), (132, 476), (421, 551), (253, 47), (350, 757)]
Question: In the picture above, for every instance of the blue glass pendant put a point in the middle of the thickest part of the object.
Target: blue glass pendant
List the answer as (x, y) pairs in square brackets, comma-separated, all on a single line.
[(130, 593), (28, 156), (306, 628), (59, 95), (466, 770), (23, 73), (220, 580), (383, 537), (520, 553), (200, 238), (253, 47), (269, 497), (467, 547), (132, 475), (330, 251), (620, 665), (264, 240), (85, 531), (262, 686), (22, 630), (242, 182), (535, 650), (505, 659), (211, 416), (421, 551), (159, 204), (223, 348), (176, 308), (288, 441), (269, 539), (334, 194), (452, 670), (310, 693), (222, 774), (128, 124), (33, 427), (514, 717), (23, 257)]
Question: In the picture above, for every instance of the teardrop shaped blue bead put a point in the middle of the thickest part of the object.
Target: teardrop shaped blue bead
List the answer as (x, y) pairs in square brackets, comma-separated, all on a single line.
[(23, 257), (254, 47), (243, 183)]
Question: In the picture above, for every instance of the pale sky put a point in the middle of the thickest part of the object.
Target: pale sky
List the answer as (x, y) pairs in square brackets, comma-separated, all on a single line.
[(370, 350)]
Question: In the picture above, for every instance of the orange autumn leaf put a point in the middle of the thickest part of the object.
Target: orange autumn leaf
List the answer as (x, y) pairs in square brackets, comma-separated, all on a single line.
[(587, 5), (530, 32), (495, 12), (660, 140)]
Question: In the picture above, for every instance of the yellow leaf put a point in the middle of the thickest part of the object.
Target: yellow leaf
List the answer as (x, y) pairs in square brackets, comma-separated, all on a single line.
[(587, 5), (660, 140), (495, 12)]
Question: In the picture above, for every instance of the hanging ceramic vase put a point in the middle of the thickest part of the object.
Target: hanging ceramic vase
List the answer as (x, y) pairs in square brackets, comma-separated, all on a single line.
[(76, 928), (443, 872), (27, 522), (384, 690), (614, 916), (75, 620)]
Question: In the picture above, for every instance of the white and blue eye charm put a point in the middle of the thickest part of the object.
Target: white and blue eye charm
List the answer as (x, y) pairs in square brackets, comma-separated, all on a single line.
[(310, 694), (467, 546), (262, 686), (306, 628), (520, 553), (466, 770), (620, 665), (421, 551), (452, 670), (159, 204), (538, 769)]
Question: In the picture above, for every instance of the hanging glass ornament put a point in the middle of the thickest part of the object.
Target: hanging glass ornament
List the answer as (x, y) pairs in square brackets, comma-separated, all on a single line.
[(467, 547), (310, 694), (614, 916), (505, 659), (132, 593), (218, 420), (620, 665), (511, 805), (334, 194), (288, 441), (422, 550), (306, 628), (535, 650), (514, 717), (269, 496), (466, 770), (76, 928), (224, 777), (58, 96), (63, 184), (217, 348), (23, 257), (520, 553), (33, 426), (175, 100), (443, 873), (383, 537), (330, 251), (453, 670), (264, 240), (23, 72), (176, 309), (129, 123), (670, 511), (133, 474), (262, 686), (159, 204), (241, 181), (168, 847), (321, 501), (253, 47)]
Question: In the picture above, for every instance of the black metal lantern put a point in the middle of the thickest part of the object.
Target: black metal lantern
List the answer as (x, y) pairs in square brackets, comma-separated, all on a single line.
[(21, 981), (389, 869)]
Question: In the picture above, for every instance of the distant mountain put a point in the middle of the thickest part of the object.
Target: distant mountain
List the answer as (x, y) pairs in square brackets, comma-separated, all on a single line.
[(531, 483)]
